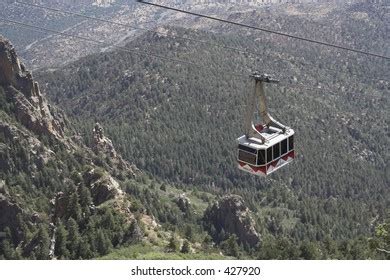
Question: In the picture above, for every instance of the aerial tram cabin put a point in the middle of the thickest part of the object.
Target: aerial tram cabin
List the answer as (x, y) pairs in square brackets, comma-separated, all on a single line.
[(265, 147)]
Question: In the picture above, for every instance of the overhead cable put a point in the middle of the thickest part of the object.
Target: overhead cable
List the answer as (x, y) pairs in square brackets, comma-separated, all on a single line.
[(134, 51), (268, 30), (224, 46), (138, 28)]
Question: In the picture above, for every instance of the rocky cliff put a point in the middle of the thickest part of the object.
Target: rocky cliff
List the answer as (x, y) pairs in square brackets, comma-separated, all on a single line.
[(231, 216), (31, 107), (45, 175), (103, 147)]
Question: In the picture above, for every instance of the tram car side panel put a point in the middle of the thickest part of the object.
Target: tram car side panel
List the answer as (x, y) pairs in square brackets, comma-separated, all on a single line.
[(264, 159)]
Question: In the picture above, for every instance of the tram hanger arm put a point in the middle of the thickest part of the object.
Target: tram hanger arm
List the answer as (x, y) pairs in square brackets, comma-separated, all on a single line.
[(259, 93)]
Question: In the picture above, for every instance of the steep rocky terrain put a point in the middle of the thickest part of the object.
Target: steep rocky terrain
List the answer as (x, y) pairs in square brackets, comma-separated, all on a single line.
[(232, 216), (179, 122), (60, 199), (75, 193), (31, 108), (39, 152), (103, 147)]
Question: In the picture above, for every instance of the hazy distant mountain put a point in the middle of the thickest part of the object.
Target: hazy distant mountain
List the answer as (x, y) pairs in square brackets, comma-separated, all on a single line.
[(62, 49)]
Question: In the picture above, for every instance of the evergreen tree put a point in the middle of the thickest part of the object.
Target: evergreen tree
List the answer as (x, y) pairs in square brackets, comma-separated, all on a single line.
[(61, 250), (73, 240), (231, 247), (74, 209), (135, 232), (26, 233), (221, 235), (91, 234), (76, 177), (207, 242), (85, 200), (331, 248), (268, 250), (85, 249), (309, 251), (173, 245), (189, 232), (108, 221), (103, 244), (163, 187), (43, 243), (186, 248), (7, 249)]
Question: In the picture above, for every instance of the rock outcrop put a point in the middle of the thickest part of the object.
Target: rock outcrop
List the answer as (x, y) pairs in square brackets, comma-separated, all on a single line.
[(30, 106), (103, 187), (38, 154), (35, 154), (232, 216), (102, 146)]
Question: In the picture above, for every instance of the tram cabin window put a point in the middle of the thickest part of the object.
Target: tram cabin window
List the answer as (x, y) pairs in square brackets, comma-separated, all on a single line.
[(247, 157), (284, 147), (276, 149), (291, 143), (247, 149), (269, 154), (261, 157)]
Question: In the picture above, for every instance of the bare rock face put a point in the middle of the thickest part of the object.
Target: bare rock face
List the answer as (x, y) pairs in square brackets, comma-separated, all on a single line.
[(103, 146), (31, 107), (38, 153), (105, 189), (232, 216), (103, 186), (4, 157)]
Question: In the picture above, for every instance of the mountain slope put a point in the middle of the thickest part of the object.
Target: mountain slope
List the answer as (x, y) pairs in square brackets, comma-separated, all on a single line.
[(58, 198), (180, 123), (62, 200), (295, 18)]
